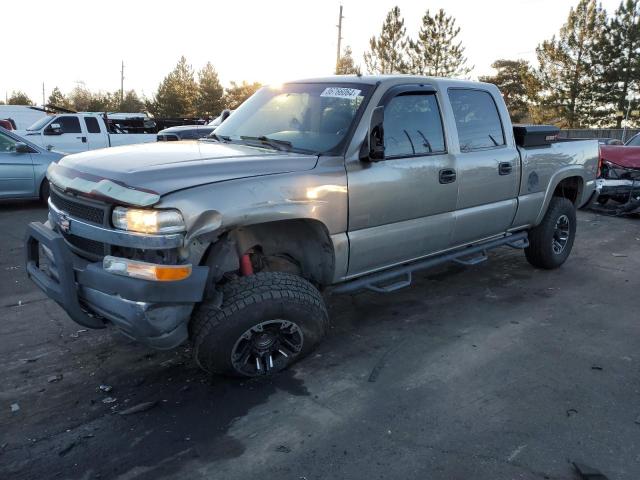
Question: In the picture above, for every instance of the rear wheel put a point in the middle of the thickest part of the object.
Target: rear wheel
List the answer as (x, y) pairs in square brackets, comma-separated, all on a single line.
[(267, 321), (550, 243)]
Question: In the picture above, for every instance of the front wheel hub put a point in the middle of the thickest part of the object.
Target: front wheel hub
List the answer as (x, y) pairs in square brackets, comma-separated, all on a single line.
[(267, 347)]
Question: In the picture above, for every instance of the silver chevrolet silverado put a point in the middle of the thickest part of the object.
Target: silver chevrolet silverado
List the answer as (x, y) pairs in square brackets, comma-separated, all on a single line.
[(333, 184)]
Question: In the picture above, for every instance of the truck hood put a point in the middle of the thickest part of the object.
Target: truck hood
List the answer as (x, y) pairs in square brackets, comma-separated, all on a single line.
[(624, 156), (161, 168)]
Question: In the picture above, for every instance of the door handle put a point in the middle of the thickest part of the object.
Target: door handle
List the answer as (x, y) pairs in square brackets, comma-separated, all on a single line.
[(505, 168), (84, 139), (447, 175)]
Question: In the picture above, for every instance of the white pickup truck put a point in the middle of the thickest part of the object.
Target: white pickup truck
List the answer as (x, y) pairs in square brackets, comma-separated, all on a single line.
[(77, 132)]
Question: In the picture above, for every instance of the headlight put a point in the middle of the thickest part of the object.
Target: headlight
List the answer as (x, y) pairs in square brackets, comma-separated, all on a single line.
[(148, 221)]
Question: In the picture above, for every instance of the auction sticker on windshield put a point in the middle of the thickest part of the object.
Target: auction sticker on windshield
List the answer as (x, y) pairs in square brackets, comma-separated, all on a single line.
[(341, 92)]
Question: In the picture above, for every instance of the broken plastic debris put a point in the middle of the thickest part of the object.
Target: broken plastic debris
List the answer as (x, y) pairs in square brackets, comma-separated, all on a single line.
[(15, 407), (108, 400), (620, 255), (54, 378), (105, 388)]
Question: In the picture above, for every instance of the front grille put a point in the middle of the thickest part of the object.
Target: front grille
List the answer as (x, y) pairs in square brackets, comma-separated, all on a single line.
[(78, 209), (86, 245)]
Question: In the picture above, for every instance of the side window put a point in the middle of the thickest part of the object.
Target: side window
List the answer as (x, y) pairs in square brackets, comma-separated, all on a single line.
[(477, 119), (412, 126), (92, 124), (69, 124), (7, 144)]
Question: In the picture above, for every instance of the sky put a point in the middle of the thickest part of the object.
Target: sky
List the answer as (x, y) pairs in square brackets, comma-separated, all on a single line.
[(62, 43)]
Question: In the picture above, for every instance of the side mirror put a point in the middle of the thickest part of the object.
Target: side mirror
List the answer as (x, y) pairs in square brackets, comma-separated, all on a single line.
[(373, 147), (224, 115), (22, 148), (53, 129)]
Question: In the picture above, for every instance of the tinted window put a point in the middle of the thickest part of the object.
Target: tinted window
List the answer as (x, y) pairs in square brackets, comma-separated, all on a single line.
[(68, 124), (412, 126), (92, 124), (634, 142), (477, 119), (7, 144)]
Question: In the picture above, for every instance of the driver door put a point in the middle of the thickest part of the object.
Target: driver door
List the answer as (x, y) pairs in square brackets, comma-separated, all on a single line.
[(402, 207), (71, 139)]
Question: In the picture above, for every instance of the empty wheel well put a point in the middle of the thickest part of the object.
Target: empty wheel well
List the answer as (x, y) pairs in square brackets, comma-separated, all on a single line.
[(570, 188), (296, 246)]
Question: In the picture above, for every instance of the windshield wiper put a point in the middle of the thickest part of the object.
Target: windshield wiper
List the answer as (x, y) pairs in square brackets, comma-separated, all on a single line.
[(219, 138), (272, 142)]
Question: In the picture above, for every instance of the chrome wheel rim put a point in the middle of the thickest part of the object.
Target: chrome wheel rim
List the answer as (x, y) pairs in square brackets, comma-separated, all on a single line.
[(267, 347), (561, 234)]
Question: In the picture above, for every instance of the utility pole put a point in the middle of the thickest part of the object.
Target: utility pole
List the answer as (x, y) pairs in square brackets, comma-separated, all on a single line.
[(42, 94), (122, 83), (339, 36)]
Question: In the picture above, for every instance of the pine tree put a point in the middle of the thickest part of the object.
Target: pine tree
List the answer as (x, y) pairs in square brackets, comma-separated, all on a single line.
[(346, 65), (177, 93), (131, 103), (436, 52), (620, 63), (19, 98), (237, 93), (210, 92), (568, 66), (58, 99), (80, 99), (518, 85), (387, 53)]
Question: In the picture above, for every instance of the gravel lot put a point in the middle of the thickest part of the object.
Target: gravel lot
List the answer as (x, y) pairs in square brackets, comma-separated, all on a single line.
[(497, 371)]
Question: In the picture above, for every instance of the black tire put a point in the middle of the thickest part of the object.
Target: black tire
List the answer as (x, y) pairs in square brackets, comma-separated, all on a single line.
[(44, 191), (282, 308), (544, 240)]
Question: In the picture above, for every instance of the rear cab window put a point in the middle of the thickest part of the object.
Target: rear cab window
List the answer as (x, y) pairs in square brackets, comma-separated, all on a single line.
[(92, 124), (413, 126), (477, 119)]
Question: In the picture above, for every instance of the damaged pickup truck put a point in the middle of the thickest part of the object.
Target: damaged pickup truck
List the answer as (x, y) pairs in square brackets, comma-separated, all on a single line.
[(618, 183), (331, 184)]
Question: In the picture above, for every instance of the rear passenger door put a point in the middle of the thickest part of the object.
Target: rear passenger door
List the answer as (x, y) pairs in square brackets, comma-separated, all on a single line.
[(402, 207), (96, 138), (488, 166)]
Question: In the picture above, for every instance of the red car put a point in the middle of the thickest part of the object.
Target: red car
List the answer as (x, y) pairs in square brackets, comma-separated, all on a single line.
[(618, 182)]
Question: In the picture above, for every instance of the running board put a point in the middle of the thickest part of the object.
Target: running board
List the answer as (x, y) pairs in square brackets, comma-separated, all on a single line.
[(379, 282)]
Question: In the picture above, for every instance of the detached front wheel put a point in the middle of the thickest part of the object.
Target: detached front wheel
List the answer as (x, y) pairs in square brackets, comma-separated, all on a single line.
[(550, 243), (267, 321)]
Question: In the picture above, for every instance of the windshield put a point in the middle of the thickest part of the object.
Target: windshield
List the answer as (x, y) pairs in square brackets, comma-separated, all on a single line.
[(305, 117), (634, 142), (39, 124)]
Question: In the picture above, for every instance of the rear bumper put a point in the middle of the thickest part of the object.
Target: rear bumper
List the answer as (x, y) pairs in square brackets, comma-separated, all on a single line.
[(154, 313)]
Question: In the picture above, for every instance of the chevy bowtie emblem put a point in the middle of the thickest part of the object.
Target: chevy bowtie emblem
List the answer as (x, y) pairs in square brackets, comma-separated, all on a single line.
[(64, 222)]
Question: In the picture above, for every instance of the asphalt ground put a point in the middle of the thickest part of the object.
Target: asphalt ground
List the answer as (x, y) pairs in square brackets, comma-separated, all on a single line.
[(497, 371)]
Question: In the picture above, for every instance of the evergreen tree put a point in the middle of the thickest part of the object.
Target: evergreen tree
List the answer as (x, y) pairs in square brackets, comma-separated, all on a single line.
[(80, 99), (518, 85), (620, 63), (568, 66), (346, 65), (177, 93), (19, 98), (58, 99), (436, 52), (210, 92), (387, 53), (130, 102), (236, 94)]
